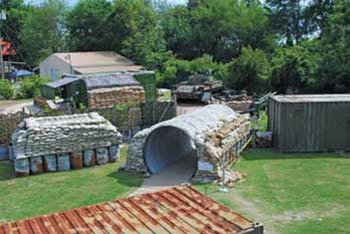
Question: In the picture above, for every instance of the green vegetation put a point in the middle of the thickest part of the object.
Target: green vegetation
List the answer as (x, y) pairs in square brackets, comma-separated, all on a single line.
[(262, 122), (286, 46), (291, 193), (6, 89), (47, 193), (30, 87), (25, 88)]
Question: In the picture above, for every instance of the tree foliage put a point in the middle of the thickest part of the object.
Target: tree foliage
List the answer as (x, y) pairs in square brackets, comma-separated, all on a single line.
[(42, 31), (289, 46), (250, 71), (88, 26)]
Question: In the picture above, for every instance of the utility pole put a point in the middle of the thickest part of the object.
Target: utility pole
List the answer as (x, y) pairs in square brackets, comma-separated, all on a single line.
[(2, 17)]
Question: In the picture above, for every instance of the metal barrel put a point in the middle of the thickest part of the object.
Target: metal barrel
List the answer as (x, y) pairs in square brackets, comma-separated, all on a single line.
[(77, 160), (50, 163), (22, 167), (102, 155), (63, 162), (89, 158), (36, 165), (113, 153)]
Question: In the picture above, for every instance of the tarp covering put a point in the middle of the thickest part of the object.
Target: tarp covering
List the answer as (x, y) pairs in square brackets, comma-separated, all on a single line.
[(106, 80)]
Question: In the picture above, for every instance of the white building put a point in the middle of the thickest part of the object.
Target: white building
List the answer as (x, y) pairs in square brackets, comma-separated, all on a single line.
[(58, 64)]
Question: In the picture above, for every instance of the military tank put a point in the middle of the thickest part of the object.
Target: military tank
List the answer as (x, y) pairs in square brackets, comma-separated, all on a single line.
[(198, 87)]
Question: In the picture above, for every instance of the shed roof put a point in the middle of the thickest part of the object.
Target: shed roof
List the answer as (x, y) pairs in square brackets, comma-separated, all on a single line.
[(176, 210), (312, 98), (97, 62), (61, 82), (106, 80)]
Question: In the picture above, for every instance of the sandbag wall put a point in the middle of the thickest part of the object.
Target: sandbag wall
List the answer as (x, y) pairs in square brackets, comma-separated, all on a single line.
[(62, 143)]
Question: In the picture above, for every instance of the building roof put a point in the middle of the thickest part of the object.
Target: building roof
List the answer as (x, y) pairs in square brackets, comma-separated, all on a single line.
[(312, 98), (176, 210), (61, 82), (98, 62), (98, 81)]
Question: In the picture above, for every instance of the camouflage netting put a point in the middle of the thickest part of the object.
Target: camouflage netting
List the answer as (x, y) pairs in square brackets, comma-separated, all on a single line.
[(63, 134)]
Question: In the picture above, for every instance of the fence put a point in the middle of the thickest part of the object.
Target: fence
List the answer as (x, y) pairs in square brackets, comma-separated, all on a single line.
[(127, 118)]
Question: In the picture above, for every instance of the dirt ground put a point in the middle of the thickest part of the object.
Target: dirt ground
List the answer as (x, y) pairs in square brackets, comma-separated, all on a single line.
[(13, 106), (187, 107)]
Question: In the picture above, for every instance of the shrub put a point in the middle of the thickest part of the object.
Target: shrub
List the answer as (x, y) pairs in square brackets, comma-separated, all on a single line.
[(6, 89), (30, 87), (250, 71)]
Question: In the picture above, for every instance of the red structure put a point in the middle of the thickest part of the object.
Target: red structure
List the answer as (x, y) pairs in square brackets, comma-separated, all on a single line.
[(176, 210), (7, 48)]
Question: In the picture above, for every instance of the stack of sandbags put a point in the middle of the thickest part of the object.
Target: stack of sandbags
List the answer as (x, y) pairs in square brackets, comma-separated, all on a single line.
[(229, 135), (64, 134), (108, 97)]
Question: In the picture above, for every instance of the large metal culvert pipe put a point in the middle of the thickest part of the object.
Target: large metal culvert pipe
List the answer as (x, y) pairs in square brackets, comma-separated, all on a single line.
[(167, 145), (163, 144)]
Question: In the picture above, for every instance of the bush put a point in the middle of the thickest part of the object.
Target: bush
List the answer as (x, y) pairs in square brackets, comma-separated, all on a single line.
[(6, 89), (30, 87), (250, 71)]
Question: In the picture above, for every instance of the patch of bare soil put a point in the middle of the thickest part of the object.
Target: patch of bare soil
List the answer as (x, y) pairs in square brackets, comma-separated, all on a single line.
[(250, 208), (13, 105)]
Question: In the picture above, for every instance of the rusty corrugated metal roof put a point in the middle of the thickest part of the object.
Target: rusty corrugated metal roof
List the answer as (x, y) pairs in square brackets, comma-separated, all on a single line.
[(177, 210)]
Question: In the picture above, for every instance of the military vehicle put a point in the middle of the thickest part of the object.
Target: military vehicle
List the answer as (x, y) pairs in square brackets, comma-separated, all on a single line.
[(199, 87)]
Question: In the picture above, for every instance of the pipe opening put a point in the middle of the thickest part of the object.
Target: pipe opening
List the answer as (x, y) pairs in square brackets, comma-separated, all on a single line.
[(166, 146)]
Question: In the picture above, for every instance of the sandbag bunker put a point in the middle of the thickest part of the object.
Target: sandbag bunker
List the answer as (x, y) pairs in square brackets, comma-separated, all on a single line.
[(210, 138), (61, 143)]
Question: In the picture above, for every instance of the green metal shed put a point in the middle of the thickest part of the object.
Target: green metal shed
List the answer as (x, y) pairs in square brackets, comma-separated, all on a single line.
[(310, 123)]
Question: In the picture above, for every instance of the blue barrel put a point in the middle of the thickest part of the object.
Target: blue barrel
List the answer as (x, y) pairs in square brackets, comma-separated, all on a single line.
[(36, 165), (89, 158), (50, 163), (63, 162), (102, 155), (113, 153), (4, 153), (22, 167), (11, 153)]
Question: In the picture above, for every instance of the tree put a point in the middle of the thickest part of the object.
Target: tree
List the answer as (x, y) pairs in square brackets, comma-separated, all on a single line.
[(222, 28), (89, 28), (176, 25), (250, 71), (15, 11), (287, 19), (293, 70), (334, 48), (43, 31), (134, 26)]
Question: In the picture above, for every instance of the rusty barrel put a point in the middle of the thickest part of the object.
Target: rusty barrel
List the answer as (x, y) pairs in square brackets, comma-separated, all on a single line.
[(89, 158), (22, 167), (63, 162), (102, 155), (77, 160), (36, 165), (50, 163), (113, 153)]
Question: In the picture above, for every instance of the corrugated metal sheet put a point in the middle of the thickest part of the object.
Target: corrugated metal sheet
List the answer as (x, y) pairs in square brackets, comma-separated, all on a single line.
[(60, 83), (106, 80), (310, 123), (177, 210)]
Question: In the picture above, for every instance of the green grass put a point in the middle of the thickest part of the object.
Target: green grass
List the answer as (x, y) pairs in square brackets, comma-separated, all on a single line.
[(292, 193), (47, 193)]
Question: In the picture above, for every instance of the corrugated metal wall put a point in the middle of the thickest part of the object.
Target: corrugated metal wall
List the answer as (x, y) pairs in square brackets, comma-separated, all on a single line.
[(310, 126)]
